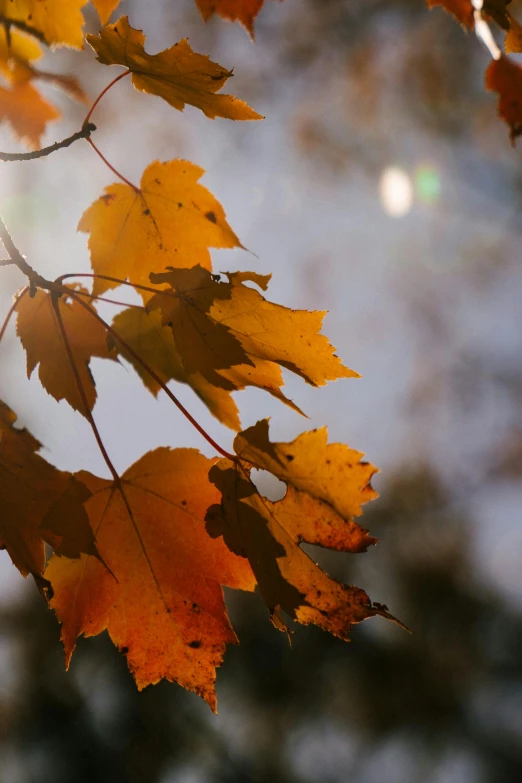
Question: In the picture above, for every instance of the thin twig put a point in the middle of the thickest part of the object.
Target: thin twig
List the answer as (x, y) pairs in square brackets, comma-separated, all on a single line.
[(119, 281), (135, 188), (13, 307), (84, 133), (17, 259), (103, 92), (72, 362)]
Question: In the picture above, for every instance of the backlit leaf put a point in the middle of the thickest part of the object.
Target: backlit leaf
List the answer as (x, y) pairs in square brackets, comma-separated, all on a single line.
[(39, 331), (505, 77), (60, 22), (219, 327), (163, 603), (244, 11), (178, 75), (105, 8), (27, 112), (35, 498), (325, 488), (146, 335), (171, 221)]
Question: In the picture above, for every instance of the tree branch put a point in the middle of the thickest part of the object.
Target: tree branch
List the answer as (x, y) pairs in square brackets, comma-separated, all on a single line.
[(84, 133)]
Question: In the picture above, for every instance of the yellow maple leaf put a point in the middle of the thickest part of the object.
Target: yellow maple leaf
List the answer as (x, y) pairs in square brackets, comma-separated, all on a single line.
[(326, 485), (171, 221), (146, 335), (105, 8), (178, 75), (163, 603), (59, 22), (221, 328)]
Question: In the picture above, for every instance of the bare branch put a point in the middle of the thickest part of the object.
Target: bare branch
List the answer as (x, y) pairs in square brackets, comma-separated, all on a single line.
[(84, 133)]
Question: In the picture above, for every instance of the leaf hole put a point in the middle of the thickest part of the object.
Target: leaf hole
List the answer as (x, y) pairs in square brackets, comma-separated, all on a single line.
[(268, 485)]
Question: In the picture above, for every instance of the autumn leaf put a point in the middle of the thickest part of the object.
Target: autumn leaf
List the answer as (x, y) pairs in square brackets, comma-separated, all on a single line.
[(35, 499), (326, 485), (27, 112), (39, 330), (222, 329), (332, 472), (163, 606), (462, 10), (513, 41), (17, 54), (505, 77), (244, 11), (178, 75), (17, 58), (146, 335), (59, 22), (171, 221), (105, 8)]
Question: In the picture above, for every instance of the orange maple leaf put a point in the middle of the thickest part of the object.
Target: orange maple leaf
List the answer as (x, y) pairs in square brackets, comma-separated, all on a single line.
[(163, 603), (244, 11), (326, 485), (178, 75), (27, 112), (505, 77), (35, 499), (39, 330)]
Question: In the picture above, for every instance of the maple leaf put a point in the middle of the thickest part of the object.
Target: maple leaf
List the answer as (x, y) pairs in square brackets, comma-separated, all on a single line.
[(178, 75), (35, 499), (505, 77), (171, 221), (105, 8), (16, 64), (513, 41), (244, 11), (462, 10), (231, 334), (27, 112), (326, 485), (146, 335), (17, 54), (39, 330), (59, 22), (163, 606)]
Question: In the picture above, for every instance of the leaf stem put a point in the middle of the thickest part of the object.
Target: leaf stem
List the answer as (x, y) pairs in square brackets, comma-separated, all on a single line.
[(137, 286), (13, 307), (79, 384), (84, 133), (105, 90), (114, 171), (156, 378), (110, 301)]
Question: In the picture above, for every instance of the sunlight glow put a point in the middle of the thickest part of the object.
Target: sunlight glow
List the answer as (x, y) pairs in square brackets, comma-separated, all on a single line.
[(396, 191)]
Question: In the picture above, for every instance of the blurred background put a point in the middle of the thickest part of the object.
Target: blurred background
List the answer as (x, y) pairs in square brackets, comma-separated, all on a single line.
[(381, 186)]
